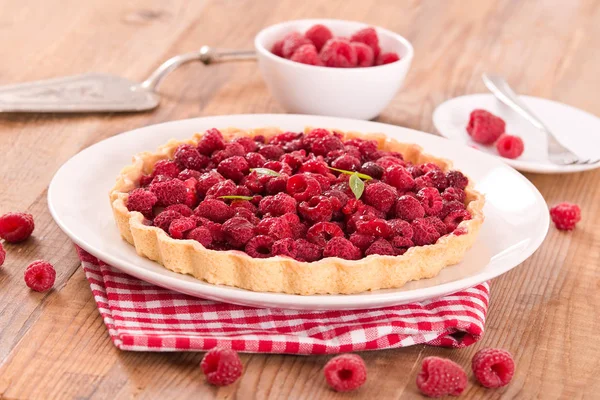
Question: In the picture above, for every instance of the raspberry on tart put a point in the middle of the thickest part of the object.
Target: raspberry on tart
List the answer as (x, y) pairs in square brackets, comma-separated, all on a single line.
[(267, 210)]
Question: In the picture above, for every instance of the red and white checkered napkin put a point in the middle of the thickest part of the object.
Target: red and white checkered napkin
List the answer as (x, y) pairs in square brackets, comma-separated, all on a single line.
[(143, 317)]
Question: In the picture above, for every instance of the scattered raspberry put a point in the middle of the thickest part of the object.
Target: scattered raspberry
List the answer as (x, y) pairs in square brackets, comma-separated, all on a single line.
[(319, 35), (440, 377), (180, 226), (564, 215), (16, 227), (255, 160), (234, 168), (169, 192), (279, 204), (345, 372), (430, 200), (211, 141), (381, 247), (493, 368), (342, 248), (381, 196), (166, 168), (230, 150), (387, 58), (484, 127), (307, 54), (164, 219), (438, 224), (142, 201), (40, 276), (346, 162), (285, 247), (453, 193), (399, 177), (457, 180), (181, 209), (201, 235), (322, 232), (271, 152), (260, 246), (372, 169), (510, 146), (2, 254), (408, 208), (374, 227), (277, 48), (424, 232), (187, 156), (291, 42), (238, 231), (214, 210), (307, 251), (369, 37), (207, 181), (338, 53), (317, 209), (454, 218), (247, 143), (364, 54), (221, 367), (189, 173)]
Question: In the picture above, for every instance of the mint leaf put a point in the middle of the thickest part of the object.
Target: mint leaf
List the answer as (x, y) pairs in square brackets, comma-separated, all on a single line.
[(356, 185), (265, 171), (343, 171), (236, 197)]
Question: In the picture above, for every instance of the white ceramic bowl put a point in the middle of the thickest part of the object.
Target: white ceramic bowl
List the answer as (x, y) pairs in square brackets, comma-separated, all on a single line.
[(340, 92)]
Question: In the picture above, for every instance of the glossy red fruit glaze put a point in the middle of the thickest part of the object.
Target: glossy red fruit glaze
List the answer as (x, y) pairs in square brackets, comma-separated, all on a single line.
[(285, 247), (424, 232), (457, 180), (221, 367), (214, 210), (319, 35), (40, 276), (291, 42), (380, 195), (260, 246), (202, 235), (408, 208), (2, 255), (187, 156), (142, 201), (387, 58), (484, 127), (381, 247), (342, 248), (180, 226), (271, 152), (430, 200), (364, 54), (440, 377), (307, 54), (399, 177), (233, 168), (16, 227), (247, 143), (169, 192), (255, 160), (207, 180), (279, 204), (493, 368), (375, 227), (565, 215), (510, 146), (307, 251), (211, 141), (338, 53), (322, 232), (345, 372), (166, 168), (238, 231), (369, 37), (164, 219), (317, 209)]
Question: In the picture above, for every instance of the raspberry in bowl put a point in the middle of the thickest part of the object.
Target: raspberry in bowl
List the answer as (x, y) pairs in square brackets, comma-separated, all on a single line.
[(324, 81)]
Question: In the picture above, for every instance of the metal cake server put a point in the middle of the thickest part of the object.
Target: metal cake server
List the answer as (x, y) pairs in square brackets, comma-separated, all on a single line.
[(103, 92)]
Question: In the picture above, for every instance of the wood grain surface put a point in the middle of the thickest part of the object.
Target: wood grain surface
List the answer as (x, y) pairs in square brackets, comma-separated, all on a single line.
[(54, 345)]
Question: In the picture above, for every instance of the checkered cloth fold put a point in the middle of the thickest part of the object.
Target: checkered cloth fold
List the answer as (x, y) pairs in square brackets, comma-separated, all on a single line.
[(144, 317)]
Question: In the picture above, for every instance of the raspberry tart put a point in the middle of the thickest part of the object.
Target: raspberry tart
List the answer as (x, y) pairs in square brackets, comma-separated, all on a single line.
[(314, 212)]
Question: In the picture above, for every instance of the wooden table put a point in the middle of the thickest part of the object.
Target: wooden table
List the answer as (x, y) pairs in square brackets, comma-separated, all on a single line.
[(54, 345)]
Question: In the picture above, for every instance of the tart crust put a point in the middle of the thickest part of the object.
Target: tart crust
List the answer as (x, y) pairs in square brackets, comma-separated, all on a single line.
[(282, 274)]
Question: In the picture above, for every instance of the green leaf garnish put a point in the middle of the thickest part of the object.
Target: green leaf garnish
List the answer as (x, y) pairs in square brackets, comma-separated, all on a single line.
[(265, 171), (356, 185), (343, 171), (236, 197)]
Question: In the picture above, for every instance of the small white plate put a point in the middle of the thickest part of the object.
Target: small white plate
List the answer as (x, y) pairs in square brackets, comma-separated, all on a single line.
[(578, 130), (516, 214)]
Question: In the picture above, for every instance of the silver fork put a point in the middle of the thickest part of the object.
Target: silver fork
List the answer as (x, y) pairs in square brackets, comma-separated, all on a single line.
[(557, 153)]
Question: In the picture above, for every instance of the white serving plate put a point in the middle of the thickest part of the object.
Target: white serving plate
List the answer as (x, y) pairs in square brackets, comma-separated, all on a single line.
[(516, 214)]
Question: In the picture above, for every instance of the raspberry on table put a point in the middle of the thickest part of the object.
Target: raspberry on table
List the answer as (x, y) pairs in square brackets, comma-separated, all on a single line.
[(187, 157), (169, 192), (440, 377), (364, 54), (180, 226), (40, 276), (16, 227), (165, 167), (238, 231), (381, 247), (510, 146), (564, 215), (322, 232), (165, 218), (307, 251), (202, 235), (369, 37), (342, 248), (260, 246), (338, 53), (345, 372), (279, 204), (234, 168), (211, 141), (285, 247), (430, 200), (380, 195), (408, 208), (399, 177), (318, 34), (484, 127), (142, 201), (307, 54), (454, 218), (424, 232), (493, 368), (2, 254), (291, 42), (221, 367), (317, 209), (387, 58), (214, 210)]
